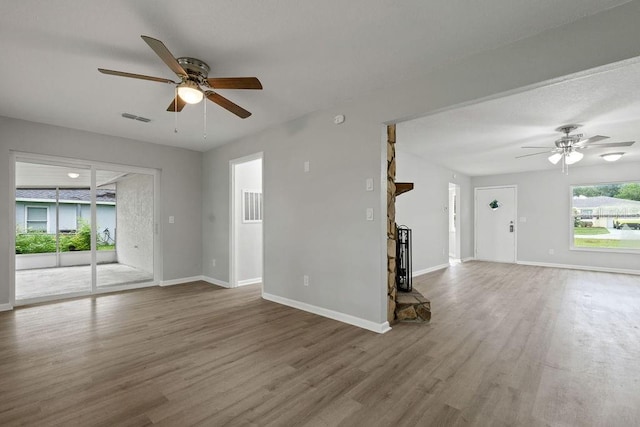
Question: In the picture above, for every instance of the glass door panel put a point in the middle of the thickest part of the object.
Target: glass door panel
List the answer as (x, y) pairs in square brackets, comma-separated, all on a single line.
[(125, 228), (53, 230)]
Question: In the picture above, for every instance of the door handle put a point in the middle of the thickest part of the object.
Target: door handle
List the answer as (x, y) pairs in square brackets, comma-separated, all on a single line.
[(511, 227)]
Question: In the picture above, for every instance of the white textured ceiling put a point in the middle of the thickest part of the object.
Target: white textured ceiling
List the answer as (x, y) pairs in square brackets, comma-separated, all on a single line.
[(485, 138), (308, 55)]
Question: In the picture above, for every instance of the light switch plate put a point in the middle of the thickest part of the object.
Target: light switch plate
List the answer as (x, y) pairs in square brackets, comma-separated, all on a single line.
[(369, 184), (369, 214)]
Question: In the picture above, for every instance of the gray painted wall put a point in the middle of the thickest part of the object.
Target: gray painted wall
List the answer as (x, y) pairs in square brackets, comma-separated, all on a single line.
[(344, 255), (249, 238), (423, 209), (314, 223), (544, 200), (180, 186), (134, 234)]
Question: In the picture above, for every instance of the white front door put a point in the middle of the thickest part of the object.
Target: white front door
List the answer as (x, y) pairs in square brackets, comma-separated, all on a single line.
[(495, 213)]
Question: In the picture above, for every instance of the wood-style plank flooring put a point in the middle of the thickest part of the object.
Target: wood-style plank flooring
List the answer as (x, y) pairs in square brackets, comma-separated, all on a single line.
[(508, 345)]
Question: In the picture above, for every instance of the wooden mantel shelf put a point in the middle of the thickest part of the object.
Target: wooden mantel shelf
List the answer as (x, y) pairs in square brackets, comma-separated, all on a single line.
[(403, 187)]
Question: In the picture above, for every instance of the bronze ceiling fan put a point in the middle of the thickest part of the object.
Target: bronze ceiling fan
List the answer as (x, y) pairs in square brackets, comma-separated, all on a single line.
[(194, 84)]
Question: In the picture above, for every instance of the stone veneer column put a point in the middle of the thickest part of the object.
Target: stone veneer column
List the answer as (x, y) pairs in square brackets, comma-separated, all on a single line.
[(391, 222)]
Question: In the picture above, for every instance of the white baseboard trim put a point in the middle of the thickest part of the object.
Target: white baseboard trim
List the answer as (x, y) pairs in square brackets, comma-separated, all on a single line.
[(6, 307), (580, 267), (180, 281), (468, 259), (429, 270), (216, 282), (380, 328), (207, 279), (250, 281)]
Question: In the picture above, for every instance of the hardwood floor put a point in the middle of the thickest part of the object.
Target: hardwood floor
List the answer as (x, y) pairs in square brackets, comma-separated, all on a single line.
[(508, 345)]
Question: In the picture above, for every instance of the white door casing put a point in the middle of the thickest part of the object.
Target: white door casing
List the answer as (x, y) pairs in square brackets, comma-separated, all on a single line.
[(495, 226), (454, 221), (238, 255)]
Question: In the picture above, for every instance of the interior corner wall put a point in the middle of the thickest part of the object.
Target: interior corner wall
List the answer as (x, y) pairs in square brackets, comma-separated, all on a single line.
[(180, 187), (425, 209), (544, 200), (134, 221)]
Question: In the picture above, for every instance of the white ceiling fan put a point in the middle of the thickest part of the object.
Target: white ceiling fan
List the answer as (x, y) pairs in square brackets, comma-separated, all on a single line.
[(568, 149)]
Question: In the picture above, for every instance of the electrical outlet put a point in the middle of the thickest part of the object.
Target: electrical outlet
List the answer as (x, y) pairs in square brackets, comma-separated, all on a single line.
[(306, 166), (213, 262), (306, 280), (552, 251), (172, 219)]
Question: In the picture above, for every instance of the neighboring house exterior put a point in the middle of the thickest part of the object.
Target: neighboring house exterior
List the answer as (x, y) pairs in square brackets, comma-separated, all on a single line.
[(602, 211), (36, 209)]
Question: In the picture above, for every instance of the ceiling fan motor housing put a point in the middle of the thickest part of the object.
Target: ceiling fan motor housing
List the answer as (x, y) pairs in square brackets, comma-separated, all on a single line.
[(195, 68), (567, 141)]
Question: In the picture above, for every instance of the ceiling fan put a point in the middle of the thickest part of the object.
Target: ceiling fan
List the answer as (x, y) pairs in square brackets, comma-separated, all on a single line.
[(568, 148), (195, 83)]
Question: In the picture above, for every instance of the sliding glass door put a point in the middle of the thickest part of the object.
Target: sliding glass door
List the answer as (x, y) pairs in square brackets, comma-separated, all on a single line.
[(53, 230), (82, 229), (126, 228)]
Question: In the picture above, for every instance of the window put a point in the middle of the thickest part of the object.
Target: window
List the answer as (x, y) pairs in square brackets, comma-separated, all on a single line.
[(37, 219), (606, 217), (251, 206)]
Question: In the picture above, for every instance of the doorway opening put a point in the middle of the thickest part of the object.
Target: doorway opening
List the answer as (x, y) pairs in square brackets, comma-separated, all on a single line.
[(247, 216), (454, 223), (82, 228)]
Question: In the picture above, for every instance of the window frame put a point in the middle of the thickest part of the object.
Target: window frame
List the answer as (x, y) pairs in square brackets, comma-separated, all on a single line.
[(26, 217), (572, 246)]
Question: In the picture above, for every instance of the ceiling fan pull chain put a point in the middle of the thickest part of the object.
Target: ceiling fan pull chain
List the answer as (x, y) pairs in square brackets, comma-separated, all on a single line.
[(175, 109), (204, 136)]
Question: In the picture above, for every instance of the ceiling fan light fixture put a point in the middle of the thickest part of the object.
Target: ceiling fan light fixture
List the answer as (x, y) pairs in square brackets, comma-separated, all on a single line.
[(573, 157), (555, 158), (190, 92), (611, 157), (73, 175)]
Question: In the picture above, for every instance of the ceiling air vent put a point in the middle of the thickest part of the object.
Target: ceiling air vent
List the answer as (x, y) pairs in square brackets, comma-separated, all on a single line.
[(134, 117)]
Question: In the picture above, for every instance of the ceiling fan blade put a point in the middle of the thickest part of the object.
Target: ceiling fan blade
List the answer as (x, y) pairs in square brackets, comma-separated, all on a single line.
[(535, 154), (226, 104), (161, 50), (611, 144), (176, 105), (235, 83), (591, 140), (135, 76)]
